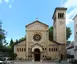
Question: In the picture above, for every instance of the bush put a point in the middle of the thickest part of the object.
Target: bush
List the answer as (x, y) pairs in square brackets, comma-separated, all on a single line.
[(13, 55)]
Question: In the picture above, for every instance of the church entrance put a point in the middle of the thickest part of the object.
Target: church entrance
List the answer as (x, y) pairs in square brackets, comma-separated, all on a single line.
[(37, 55)]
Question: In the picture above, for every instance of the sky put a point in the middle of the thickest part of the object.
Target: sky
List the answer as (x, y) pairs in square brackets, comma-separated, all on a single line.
[(15, 14)]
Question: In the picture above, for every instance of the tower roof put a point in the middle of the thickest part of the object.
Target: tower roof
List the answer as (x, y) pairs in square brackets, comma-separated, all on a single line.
[(58, 8)]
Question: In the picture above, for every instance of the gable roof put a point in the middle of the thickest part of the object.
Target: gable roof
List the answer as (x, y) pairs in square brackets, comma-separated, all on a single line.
[(38, 22)]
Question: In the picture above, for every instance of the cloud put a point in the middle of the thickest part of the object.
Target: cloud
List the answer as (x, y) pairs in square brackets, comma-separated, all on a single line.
[(6, 1), (71, 5), (70, 15), (10, 6), (0, 1), (9, 2)]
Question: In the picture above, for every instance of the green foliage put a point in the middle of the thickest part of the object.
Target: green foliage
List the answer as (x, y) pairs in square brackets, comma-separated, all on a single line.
[(22, 39), (11, 42), (68, 42), (2, 37), (11, 45), (68, 33), (2, 33), (16, 42), (10, 50), (12, 55), (51, 33)]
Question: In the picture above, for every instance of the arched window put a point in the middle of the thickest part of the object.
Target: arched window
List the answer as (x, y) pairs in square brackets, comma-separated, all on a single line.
[(49, 49), (43, 49), (24, 49), (43, 55), (20, 49), (60, 15), (17, 49)]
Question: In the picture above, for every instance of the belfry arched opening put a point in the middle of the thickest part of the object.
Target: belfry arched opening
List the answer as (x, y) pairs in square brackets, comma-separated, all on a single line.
[(37, 55)]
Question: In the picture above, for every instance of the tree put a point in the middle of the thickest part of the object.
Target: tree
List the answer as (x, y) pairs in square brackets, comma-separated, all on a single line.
[(2, 33), (2, 37), (11, 42), (68, 42), (10, 49), (68, 33), (12, 55), (12, 45), (19, 40), (16, 41), (51, 33)]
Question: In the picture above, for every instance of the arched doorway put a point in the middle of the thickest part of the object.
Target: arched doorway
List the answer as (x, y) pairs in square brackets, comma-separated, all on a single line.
[(37, 55)]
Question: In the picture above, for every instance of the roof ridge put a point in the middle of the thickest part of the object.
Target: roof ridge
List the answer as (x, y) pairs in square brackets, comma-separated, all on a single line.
[(36, 21)]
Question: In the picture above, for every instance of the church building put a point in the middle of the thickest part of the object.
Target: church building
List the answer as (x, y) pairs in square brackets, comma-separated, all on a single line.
[(37, 47)]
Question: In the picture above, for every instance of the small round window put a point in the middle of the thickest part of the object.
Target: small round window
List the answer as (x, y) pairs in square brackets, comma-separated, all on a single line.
[(37, 37)]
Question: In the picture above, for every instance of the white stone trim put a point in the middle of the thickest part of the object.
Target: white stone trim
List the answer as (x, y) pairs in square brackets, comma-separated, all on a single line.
[(36, 47)]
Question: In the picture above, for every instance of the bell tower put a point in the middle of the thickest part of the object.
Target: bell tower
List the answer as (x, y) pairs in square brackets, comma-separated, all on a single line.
[(59, 25)]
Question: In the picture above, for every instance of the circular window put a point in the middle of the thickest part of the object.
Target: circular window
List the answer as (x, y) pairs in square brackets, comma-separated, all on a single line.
[(37, 37)]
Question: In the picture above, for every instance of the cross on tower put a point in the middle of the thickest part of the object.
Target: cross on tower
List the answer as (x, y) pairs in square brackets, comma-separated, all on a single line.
[(36, 18)]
